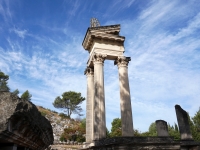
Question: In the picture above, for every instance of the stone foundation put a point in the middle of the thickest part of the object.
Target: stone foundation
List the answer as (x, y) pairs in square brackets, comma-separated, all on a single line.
[(142, 143), (136, 143)]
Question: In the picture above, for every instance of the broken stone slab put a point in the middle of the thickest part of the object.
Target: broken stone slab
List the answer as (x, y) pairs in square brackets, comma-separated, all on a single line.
[(22, 124), (162, 128), (183, 123)]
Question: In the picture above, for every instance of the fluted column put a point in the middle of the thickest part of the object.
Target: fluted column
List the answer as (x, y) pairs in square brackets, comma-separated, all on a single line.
[(125, 99), (99, 97), (89, 72)]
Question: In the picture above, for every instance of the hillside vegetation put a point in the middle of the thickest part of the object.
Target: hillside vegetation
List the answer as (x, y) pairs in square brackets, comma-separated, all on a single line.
[(65, 129)]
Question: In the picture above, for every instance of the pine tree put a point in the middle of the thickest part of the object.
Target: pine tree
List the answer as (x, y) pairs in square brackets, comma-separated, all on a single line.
[(196, 120), (173, 131), (176, 127), (26, 96), (15, 92), (70, 102), (195, 126), (3, 82)]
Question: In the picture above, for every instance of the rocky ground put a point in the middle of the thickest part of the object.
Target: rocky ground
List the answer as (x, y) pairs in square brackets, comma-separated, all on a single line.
[(65, 147), (58, 123)]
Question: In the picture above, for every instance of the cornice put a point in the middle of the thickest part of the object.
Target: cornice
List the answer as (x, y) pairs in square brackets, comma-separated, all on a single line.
[(109, 29), (102, 32)]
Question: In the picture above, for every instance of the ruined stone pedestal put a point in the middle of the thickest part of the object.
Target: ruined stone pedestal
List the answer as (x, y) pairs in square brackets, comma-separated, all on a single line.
[(162, 128), (105, 43), (187, 142), (22, 126)]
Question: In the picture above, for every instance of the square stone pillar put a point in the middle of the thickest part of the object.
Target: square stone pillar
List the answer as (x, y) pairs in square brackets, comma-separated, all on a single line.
[(89, 72), (99, 97), (125, 99)]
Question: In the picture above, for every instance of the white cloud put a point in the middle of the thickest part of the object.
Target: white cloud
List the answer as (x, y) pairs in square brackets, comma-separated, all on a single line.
[(118, 6), (45, 75), (20, 33), (162, 41), (165, 59), (5, 10)]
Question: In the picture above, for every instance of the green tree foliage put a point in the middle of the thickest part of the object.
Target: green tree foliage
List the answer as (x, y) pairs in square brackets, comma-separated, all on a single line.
[(69, 102), (176, 127), (194, 126), (145, 133), (75, 133), (15, 92), (83, 126), (107, 133), (196, 120), (136, 132), (3, 82), (26, 96), (116, 129), (174, 131), (63, 116), (152, 129)]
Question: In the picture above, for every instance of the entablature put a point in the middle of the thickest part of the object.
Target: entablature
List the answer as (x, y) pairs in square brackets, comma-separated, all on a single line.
[(110, 34)]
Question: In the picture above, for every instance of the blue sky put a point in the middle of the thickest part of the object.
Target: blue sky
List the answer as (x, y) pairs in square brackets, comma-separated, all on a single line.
[(41, 50)]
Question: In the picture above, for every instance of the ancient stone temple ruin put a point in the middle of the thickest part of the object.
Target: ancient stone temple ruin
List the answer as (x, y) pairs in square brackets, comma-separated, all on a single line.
[(105, 43), (22, 127)]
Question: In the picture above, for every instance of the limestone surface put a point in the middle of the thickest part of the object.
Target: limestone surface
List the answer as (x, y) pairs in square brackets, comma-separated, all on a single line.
[(22, 124)]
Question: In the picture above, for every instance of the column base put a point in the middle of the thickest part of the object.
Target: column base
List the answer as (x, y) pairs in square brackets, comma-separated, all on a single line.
[(87, 145)]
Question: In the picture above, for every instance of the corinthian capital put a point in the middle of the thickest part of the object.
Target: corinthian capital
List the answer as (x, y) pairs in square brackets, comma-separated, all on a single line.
[(89, 71), (99, 58), (122, 61)]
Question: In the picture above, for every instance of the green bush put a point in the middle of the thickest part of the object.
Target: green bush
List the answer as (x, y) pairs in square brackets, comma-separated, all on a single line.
[(64, 116), (43, 113)]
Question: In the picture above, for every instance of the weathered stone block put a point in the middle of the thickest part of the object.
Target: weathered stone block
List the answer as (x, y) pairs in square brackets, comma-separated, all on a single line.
[(22, 124), (183, 123), (162, 128), (136, 143)]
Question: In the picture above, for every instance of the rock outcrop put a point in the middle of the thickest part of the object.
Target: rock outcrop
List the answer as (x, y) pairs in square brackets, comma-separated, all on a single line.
[(58, 123), (22, 124)]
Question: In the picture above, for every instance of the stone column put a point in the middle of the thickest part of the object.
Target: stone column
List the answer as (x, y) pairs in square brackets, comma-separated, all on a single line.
[(99, 97), (125, 99), (89, 72)]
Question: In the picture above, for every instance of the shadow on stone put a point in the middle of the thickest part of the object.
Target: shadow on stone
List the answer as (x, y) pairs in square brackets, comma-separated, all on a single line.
[(21, 125)]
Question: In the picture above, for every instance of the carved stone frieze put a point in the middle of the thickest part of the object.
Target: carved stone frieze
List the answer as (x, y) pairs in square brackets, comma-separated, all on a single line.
[(122, 61), (22, 124), (99, 58)]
